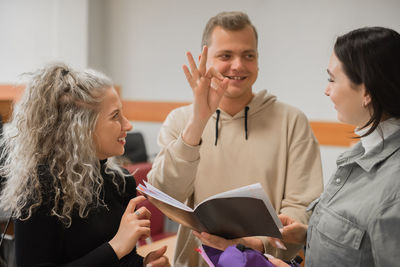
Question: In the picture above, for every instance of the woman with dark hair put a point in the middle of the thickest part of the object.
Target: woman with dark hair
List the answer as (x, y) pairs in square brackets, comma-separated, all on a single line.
[(356, 220), (72, 204)]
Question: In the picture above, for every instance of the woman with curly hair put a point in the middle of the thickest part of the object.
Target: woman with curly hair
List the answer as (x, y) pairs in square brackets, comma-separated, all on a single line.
[(72, 204)]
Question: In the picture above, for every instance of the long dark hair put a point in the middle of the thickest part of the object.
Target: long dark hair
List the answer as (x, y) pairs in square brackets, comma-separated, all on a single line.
[(371, 56)]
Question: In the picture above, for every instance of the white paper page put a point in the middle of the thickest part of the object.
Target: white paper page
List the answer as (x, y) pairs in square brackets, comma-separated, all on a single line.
[(154, 192), (254, 191)]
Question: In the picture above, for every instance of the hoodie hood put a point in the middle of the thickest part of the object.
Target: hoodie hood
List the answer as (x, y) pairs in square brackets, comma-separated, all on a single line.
[(260, 101)]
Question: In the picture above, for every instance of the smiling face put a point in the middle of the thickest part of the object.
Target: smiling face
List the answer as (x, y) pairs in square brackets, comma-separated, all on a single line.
[(111, 127), (234, 54), (351, 101)]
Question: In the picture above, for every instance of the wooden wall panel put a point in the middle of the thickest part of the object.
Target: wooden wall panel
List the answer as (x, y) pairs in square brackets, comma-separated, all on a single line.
[(327, 133), (149, 110), (334, 133), (9, 94)]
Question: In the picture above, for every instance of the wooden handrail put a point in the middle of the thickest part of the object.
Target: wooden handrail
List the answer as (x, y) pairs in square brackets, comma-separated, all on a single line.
[(10, 92), (152, 111), (334, 133), (327, 133)]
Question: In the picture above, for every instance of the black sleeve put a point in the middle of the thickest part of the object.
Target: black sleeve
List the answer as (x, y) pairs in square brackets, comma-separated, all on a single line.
[(38, 242), (132, 259)]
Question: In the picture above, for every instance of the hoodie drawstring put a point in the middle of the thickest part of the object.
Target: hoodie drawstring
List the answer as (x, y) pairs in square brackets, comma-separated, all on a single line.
[(246, 109), (216, 126)]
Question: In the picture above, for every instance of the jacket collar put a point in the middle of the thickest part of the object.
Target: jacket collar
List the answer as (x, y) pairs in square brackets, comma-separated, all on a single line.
[(378, 154)]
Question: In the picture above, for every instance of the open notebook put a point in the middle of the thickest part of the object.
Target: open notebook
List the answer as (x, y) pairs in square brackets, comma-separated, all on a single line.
[(245, 211)]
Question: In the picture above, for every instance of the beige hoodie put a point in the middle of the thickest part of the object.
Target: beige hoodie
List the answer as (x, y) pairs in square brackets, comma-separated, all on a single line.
[(280, 152)]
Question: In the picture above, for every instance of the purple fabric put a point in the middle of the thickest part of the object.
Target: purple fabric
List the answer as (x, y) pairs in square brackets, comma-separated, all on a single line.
[(233, 257), (213, 254)]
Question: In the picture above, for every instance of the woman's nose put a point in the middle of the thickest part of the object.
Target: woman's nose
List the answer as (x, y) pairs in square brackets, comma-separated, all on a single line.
[(127, 126)]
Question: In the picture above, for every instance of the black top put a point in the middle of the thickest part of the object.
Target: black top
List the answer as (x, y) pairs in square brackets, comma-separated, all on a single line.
[(43, 240)]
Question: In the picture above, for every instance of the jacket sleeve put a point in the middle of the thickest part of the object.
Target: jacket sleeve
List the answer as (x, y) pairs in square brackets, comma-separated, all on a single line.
[(38, 242), (384, 232), (174, 169)]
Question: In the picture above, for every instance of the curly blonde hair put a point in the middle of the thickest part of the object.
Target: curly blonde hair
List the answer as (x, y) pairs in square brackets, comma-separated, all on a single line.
[(52, 127)]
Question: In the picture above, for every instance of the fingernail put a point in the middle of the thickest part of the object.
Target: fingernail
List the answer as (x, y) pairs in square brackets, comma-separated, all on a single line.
[(280, 245), (269, 256), (281, 230), (149, 265)]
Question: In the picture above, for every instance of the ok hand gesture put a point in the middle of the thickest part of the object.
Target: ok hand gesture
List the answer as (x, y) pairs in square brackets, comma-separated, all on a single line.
[(208, 86)]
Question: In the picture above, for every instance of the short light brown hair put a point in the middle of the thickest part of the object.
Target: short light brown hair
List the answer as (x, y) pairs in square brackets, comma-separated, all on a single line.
[(232, 21)]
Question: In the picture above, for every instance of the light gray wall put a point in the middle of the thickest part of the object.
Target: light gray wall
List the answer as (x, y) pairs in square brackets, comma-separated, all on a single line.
[(33, 33), (144, 45)]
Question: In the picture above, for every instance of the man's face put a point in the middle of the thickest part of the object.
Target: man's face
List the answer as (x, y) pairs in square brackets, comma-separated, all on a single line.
[(234, 54)]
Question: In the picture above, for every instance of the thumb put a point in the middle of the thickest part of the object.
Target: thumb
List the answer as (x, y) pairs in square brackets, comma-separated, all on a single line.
[(278, 262), (222, 87), (133, 203), (157, 253), (275, 242)]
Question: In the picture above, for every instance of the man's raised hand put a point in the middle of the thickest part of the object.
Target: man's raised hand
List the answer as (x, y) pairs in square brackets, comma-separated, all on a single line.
[(208, 86)]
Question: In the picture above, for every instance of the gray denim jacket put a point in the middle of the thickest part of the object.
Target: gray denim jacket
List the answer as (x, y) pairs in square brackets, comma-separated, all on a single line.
[(356, 221)]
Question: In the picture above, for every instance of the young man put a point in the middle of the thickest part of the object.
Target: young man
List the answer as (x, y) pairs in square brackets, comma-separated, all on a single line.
[(230, 137)]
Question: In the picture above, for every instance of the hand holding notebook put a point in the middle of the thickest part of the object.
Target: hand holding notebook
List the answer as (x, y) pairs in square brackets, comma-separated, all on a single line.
[(245, 211)]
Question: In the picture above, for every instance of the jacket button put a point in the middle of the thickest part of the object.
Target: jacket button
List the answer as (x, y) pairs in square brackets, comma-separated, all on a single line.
[(337, 180)]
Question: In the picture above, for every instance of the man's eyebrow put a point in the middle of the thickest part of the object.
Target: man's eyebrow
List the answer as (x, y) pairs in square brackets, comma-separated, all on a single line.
[(224, 51), (330, 73), (230, 51)]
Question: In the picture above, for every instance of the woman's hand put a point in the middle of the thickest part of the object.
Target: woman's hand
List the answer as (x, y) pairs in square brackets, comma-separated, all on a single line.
[(222, 243), (156, 258), (134, 225), (293, 232)]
